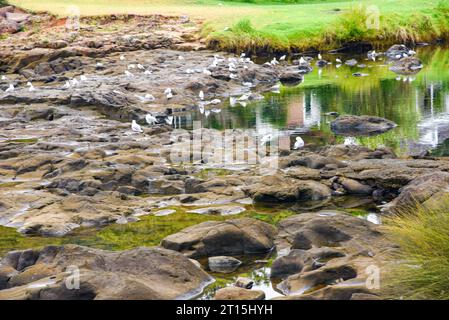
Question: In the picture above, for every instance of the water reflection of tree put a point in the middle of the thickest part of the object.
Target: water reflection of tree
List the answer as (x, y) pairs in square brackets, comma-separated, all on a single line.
[(382, 93)]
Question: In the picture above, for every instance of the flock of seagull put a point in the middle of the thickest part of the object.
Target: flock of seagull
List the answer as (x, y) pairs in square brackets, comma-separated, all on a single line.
[(232, 65)]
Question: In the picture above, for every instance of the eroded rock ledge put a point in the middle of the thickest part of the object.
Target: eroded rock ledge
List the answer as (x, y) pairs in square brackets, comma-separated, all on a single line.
[(142, 273)]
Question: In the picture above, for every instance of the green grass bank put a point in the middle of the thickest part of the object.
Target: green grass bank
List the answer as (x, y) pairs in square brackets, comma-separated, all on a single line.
[(283, 25)]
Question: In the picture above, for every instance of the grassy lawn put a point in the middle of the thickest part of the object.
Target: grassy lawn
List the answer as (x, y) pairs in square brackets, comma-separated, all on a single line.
[(280, 26)]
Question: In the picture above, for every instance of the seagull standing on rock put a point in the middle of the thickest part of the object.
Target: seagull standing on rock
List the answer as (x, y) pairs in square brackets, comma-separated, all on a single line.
[(136, 127), (299, 143), (31, 87), (266, 138), (168, 93), (150, 119), (169, 120), (10, 88), (66, 85), (201, 95), (147, 98)]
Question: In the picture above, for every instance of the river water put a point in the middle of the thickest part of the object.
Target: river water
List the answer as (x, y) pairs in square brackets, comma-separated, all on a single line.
[(418, 104)]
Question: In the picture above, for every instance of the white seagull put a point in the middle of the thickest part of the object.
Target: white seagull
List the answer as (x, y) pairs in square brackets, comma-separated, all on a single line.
[(169, 120), (299, 143), (136, 127), (30, 85), (168, 93), (150, 119), (147, 98), (10, 88), (266, 138), (201, 95)]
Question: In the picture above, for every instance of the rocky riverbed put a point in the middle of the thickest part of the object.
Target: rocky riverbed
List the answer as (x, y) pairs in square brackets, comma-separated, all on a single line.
[(70, 160)]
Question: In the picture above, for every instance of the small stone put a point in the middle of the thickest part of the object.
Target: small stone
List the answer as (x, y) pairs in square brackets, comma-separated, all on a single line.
[(222, 211), (243, 282), (165, 212), (223, 264)]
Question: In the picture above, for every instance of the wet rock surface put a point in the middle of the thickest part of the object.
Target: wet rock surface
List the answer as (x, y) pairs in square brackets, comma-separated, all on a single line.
[(223, 264), (231, 237), (142, 273), (329, 256), (361, 125)]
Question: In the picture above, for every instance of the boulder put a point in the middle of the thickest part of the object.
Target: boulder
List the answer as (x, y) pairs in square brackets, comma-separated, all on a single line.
[(142, 273), (243, 282), (398, 51), (290, 264), (8, 26), (223, 264), (291, 77), (428, 191), (5, 9), (326, 229), (231, 237), (355, 187), (236, 293), (361, 125), (329, 257), (283, 189), (17, 17), (407, 66), (355, 152)]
